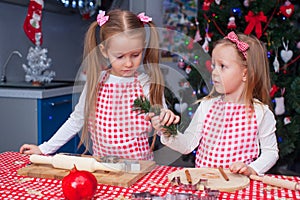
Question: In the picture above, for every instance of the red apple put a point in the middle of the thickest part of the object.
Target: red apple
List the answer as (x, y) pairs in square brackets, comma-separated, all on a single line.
[(79, 185)]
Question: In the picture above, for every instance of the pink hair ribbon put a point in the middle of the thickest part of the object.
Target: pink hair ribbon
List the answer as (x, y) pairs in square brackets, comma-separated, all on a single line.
[(242, 46), (144, 18), (101, 18)]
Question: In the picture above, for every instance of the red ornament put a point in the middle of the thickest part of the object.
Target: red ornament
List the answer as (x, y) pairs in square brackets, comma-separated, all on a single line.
[(206, 5), (188, 69), (86, 16), (287, 9), (79, 185), (231, 24), (191, 44), (255, 22), (208, 65), (273, 90)]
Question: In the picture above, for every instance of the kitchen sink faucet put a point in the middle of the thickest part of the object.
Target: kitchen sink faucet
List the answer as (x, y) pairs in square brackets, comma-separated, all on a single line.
[(3, 75)]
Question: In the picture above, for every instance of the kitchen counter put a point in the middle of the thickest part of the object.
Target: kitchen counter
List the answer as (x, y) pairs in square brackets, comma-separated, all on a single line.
[(38, 93)]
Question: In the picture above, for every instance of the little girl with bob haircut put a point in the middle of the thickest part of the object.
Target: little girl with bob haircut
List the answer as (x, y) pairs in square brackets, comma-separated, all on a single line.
[(233, 126)]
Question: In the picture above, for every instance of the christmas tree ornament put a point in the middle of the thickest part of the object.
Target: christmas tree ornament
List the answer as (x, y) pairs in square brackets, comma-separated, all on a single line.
[(208, 65), (236, 11), (254, 22), (190, 46), (287, 9), (298, 45), (246, 3), (268, 39), (184, 84), (199, 90), (196, 61), (286, 120), (205, 45), (218, 2), (33, 21), (197, 37), (181, 63), (194, 93), (279, 104), (182, 19), (89, 8), (180, 107), (207, 39), (205, 90), (286, 54), (273, 90), (279, 108), (231, 24), (275, 62), (188, 69), (206, 5)]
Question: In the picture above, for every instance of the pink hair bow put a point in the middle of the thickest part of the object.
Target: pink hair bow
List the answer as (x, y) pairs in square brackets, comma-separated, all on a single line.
[(101, 18), (242, 46), (144, 18)]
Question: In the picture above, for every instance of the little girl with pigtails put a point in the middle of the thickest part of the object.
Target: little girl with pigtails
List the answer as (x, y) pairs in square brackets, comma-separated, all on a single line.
[(113, 81)]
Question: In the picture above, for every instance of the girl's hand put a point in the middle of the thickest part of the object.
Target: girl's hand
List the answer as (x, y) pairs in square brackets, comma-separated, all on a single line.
[(166, 118), (242, 168), (30, 149), (154, 121)]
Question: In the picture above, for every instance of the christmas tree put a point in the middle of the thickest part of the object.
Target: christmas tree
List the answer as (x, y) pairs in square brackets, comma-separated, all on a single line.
[(275, 23)]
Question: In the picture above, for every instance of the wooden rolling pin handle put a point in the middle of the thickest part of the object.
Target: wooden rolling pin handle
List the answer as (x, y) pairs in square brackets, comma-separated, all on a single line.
[(277, 182), (256, 178)]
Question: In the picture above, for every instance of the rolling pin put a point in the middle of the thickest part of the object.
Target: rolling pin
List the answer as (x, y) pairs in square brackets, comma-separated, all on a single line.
[(277, 182), (90, 164)]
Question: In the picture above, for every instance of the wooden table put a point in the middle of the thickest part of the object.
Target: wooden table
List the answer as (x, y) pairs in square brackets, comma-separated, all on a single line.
[(14, 186)]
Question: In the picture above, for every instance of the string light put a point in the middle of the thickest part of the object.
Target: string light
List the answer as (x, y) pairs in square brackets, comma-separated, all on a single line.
[(86, 7)]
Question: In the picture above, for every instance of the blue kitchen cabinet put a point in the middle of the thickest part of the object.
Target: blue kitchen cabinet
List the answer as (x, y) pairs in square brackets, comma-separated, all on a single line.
[(52, 113)]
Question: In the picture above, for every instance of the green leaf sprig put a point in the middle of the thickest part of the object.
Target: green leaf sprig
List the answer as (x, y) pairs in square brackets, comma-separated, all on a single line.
[(143, 105)]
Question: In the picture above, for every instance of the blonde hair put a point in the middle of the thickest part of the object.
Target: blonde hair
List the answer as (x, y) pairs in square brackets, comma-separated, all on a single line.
[(120, 21), (258, 78)]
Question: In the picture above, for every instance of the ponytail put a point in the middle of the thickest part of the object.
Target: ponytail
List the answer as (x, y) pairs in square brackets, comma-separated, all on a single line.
[(151, 64)]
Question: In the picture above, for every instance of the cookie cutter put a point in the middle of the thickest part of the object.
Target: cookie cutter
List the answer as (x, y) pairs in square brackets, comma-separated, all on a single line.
[(200, 185), (175, 196)]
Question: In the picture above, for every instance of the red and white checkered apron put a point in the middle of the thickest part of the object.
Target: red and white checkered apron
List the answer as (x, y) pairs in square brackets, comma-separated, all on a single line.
[(228, 136), (119, 130)]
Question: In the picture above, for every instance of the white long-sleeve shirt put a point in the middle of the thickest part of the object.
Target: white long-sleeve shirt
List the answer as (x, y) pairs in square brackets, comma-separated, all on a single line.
[(266, 138), (76, 120)]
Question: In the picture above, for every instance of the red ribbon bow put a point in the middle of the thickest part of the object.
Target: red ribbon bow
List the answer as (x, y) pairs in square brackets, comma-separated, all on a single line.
[(242, 46), (255, 21)]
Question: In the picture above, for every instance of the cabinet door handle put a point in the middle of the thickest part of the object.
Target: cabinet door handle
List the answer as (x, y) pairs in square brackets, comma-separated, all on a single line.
[(59, 102)]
